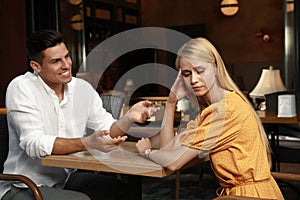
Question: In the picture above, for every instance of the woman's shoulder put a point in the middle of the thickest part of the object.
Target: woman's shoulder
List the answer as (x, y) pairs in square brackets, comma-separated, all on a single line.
[(236, 104), (234, 99)]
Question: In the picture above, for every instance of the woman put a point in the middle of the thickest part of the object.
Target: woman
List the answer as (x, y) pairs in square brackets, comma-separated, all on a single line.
[(227, 130)]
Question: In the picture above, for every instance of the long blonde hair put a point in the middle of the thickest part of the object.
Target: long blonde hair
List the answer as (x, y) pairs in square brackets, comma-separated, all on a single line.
[(194, 49)]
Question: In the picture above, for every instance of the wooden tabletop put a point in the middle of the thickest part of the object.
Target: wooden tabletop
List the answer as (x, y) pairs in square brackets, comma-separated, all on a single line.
[(271, 118), (2, 111), (124, 160)]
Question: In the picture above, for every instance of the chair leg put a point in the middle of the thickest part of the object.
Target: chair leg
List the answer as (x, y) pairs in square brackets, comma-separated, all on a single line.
[(177, 189), (200, 178), (119, 177)]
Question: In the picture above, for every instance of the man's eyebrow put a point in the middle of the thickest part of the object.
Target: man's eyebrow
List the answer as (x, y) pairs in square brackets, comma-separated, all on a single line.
[(54, 59)]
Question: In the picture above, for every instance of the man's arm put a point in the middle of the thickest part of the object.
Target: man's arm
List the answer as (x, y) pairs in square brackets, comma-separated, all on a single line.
[(98, 140), (67, 145), (139, 112)]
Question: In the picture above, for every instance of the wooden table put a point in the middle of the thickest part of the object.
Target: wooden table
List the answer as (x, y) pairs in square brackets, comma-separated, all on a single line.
[(124, 160), (268, 117), (271, 123)]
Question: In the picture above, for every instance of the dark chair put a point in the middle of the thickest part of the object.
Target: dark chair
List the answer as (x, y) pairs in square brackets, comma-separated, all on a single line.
[(229, 197), (112, 103), (286, 150), (3, 155)]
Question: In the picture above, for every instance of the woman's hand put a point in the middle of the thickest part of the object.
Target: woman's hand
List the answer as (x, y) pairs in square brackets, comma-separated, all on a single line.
[(101, 140), (142, 145), (178, 89)]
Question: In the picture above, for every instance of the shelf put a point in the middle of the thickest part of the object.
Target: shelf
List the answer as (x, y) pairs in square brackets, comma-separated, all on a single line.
[(104, 18)]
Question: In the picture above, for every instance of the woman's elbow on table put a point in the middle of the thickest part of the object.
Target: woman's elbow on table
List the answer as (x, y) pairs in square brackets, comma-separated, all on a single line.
[(173, 167)]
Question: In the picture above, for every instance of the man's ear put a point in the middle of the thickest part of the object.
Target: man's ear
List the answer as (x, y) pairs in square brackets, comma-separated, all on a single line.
[(35, 66)]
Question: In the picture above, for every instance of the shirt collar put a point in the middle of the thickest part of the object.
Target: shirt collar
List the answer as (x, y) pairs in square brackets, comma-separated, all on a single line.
[(50, 91)]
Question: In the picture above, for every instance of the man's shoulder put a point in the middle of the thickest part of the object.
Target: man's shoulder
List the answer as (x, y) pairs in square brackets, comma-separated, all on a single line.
[(20, 79), (80, 82)]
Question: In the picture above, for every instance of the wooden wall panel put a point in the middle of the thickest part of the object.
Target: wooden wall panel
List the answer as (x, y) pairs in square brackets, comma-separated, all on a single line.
[(12, 43), (235, 37)]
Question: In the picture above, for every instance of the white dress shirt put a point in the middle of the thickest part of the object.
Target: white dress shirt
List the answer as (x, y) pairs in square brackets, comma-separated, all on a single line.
[(36, 118)]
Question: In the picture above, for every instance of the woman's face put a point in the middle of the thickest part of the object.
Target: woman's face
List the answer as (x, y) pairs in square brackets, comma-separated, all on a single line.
[(200, 77)]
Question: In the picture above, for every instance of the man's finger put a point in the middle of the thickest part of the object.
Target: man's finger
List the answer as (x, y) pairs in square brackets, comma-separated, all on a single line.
[(146, 103)]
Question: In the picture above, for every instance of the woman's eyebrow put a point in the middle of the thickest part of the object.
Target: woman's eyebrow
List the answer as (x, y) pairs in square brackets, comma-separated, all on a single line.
[(199, 66)]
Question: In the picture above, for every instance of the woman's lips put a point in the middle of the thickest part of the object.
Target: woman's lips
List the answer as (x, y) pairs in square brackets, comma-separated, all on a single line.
[(197, 88)]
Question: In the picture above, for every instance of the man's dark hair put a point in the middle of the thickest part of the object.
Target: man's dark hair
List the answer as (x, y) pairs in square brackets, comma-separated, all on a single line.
[(40, 41)]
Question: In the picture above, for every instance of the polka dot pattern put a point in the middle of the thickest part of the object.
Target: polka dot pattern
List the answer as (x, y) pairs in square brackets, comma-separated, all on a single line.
[(229, 131)]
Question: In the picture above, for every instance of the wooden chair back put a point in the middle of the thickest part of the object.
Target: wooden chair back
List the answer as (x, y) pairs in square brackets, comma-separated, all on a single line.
[(3, 155)]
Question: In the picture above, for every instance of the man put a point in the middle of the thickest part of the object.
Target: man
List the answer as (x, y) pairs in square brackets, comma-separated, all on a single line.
[(48, 113)]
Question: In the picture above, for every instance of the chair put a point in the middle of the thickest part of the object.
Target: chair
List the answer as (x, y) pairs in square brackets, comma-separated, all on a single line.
[(284, 181), (3, 154), (112, 103), (229, 197)]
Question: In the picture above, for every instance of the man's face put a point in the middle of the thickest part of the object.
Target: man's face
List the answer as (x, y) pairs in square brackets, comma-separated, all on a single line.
[(56, 66)]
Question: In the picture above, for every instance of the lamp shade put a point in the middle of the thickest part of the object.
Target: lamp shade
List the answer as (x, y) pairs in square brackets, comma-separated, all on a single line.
[(229, 7), (269, 82)]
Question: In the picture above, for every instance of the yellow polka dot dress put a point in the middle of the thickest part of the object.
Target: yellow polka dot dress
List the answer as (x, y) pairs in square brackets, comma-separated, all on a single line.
[(229, 133)]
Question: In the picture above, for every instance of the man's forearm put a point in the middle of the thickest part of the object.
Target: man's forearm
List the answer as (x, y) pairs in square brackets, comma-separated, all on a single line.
[(64, 146), (121, 126)]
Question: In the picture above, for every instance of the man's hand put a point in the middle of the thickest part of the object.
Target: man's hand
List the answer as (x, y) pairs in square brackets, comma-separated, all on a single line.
[(101, 140), (141, 111)]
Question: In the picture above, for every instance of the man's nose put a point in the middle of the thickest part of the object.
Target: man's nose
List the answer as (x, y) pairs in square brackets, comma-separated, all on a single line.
[(66, 63)]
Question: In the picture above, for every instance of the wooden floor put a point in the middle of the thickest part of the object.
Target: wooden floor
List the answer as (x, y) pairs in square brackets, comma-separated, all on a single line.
[(164, 189)]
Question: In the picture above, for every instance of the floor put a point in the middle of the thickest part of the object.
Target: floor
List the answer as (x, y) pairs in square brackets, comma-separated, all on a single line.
[(164, 189)]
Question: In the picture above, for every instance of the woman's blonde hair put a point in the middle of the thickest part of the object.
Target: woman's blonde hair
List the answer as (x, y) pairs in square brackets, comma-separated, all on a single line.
[(193, 49)]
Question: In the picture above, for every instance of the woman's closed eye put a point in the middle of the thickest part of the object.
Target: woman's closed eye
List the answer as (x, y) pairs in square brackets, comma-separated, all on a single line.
[(186, 73), (199, 70)]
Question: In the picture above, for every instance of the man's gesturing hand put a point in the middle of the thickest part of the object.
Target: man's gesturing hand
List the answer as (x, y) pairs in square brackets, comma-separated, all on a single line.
[(101, 140)]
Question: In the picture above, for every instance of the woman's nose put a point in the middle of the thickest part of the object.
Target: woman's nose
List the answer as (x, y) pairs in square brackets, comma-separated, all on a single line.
[(194, 77)]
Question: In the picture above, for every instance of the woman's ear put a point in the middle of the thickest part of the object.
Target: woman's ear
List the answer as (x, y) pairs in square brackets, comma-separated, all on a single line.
[(215, 71), (35, 66)]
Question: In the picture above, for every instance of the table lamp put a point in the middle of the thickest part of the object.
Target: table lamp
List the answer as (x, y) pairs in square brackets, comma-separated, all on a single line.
[(269, 82)]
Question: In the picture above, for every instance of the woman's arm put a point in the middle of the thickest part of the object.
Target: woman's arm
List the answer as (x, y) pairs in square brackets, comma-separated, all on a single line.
[(167, 128), (178, 91), (173, 156)]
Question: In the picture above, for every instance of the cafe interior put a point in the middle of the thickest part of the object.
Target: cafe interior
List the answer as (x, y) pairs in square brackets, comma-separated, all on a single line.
[(258, 41)]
